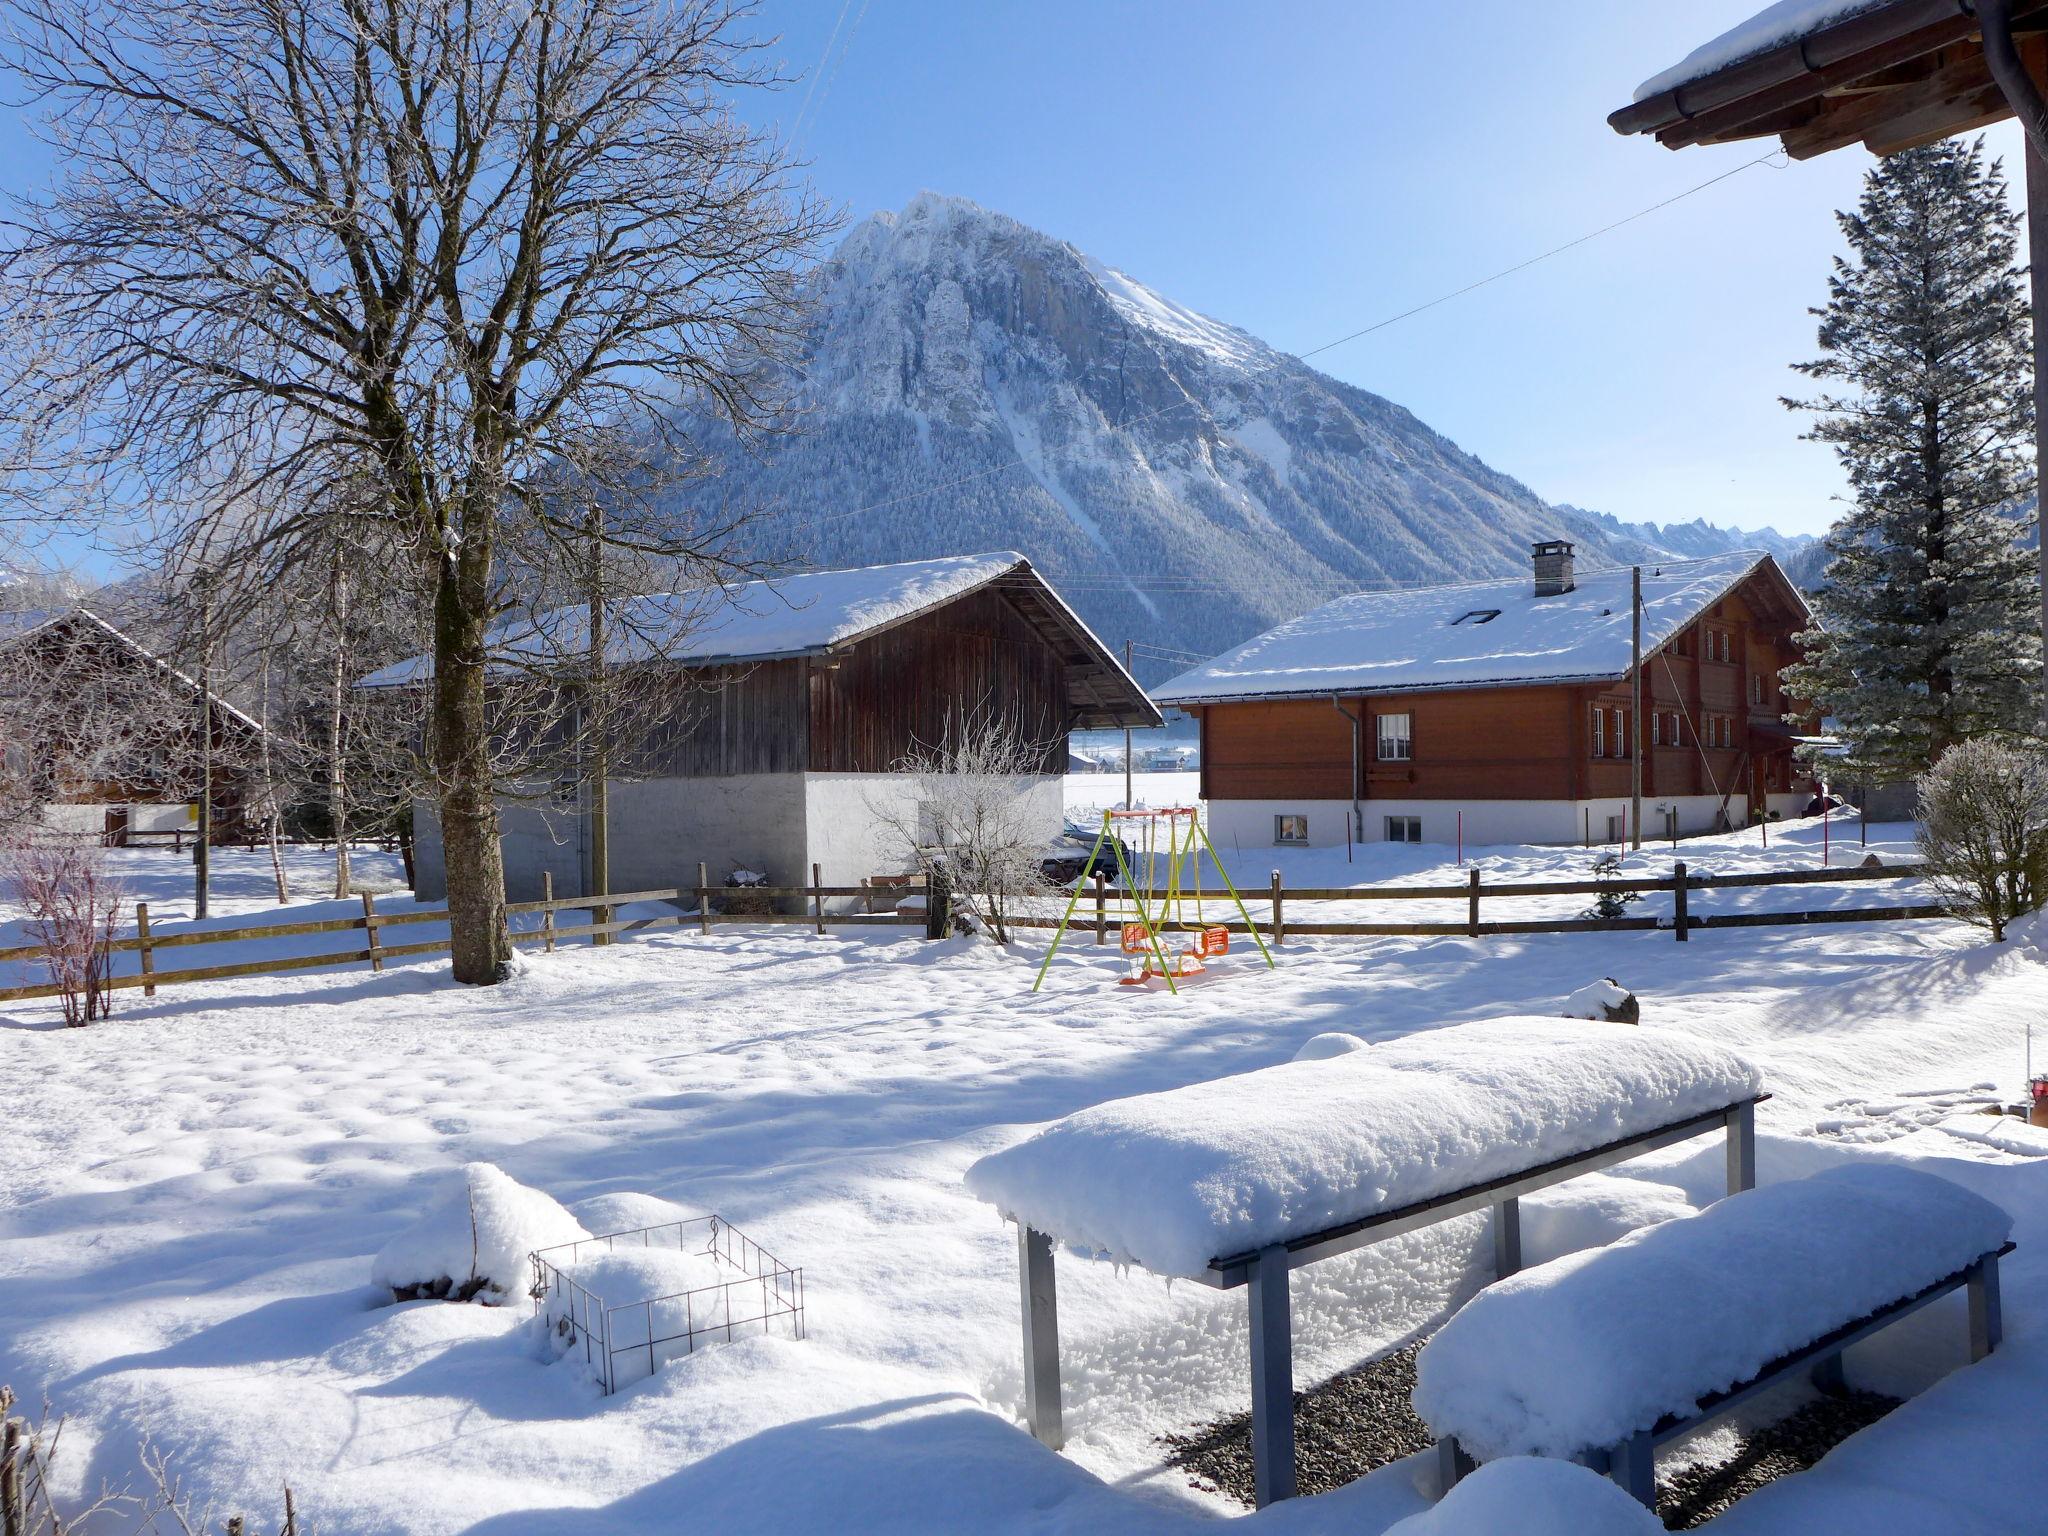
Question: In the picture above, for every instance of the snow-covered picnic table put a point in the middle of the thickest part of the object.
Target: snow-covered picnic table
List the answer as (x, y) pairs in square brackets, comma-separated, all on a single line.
[(1236, 1181)]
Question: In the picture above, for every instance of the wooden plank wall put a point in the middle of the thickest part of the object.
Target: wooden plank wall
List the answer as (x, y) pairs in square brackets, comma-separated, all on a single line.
[(902, 688)]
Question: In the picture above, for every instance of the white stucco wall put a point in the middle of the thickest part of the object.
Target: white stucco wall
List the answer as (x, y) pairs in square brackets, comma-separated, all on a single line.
[(1248, 824), (777, 823), (848, 816)]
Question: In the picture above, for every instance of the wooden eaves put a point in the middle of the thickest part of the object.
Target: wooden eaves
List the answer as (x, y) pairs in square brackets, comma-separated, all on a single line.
[(1891, 78)]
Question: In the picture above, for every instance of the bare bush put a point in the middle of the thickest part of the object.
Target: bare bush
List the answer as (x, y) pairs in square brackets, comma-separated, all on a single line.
[(71, 903), (1984, 832), (28, 1449), (968, 823)]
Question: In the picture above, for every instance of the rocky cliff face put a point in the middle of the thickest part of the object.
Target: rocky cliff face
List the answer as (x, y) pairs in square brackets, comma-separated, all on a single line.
[(973, 384)]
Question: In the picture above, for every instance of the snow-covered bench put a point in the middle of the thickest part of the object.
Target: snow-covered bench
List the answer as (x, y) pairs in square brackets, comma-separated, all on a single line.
[(1601, 1355), (1237, 1181)]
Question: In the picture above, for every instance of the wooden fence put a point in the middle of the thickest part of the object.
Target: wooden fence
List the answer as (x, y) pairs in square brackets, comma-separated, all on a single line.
[(146, 943), (1096, 912)]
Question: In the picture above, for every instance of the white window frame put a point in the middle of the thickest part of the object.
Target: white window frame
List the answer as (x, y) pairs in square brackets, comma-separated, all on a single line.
[(1402, 741), (1280, 821), (1599, 731), (1656, 727), (1407, 824)]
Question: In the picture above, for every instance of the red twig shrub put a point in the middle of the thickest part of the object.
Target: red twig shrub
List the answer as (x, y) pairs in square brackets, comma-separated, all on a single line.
[(70, 905)]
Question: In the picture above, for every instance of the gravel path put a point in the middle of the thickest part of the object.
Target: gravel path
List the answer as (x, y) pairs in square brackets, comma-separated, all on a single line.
[(1360, 1420), (1793, 1444), (1342, 1430)]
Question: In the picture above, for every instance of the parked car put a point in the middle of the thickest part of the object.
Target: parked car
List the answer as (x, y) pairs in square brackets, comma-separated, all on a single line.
[(1066, 857)]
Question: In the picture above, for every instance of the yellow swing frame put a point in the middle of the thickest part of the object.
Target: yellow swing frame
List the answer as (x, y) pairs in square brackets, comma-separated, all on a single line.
[(1174, 905)]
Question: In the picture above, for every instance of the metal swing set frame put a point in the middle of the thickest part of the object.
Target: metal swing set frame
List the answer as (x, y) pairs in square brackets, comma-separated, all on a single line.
[(1156, 914)]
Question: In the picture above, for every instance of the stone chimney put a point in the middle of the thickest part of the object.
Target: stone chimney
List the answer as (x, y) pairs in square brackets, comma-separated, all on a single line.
[(1553, 568)]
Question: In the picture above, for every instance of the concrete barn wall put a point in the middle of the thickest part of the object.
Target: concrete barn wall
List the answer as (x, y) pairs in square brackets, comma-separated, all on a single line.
[(849, 816)]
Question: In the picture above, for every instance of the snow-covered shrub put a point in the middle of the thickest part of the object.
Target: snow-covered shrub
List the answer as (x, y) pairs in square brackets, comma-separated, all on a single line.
[(1984, 832), (71, 904), (1323, 1047), (473, 1245), (1605, 1000)]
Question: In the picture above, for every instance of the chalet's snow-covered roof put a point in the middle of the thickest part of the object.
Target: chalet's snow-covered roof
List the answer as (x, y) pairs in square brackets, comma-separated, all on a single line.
[(1439, 637), (19, 625), (810, 614), (1769, 28)]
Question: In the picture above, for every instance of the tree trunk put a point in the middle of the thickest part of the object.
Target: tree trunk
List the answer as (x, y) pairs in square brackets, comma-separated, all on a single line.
[(337, 777), (478, 941)]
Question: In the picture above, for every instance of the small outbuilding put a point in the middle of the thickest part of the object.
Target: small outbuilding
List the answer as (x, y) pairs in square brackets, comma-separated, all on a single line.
[(811, 691)]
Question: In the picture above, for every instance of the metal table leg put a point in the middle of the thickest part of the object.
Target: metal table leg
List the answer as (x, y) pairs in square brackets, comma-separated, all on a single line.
[(1041, 1337), (1272, 1379)]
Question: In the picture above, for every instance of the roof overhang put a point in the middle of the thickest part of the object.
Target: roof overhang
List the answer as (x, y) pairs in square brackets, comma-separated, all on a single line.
[(1893, 77)]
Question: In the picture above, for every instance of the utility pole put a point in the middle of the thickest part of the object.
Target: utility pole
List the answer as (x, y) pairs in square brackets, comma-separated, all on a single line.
[(598, 759), (202, 850), (1635, 714), (1127, 737)]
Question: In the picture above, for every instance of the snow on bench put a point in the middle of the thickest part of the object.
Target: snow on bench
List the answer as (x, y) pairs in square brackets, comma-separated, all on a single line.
[(1598, 1355), (1236, 1182), (1176, 1181)]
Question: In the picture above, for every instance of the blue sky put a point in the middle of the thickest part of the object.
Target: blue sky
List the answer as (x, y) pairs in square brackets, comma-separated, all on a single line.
[(1321, 166), (1314, 167)]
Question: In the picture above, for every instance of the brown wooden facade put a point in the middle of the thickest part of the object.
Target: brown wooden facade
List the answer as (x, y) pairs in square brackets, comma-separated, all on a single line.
[(1712, 726), (865, 708)]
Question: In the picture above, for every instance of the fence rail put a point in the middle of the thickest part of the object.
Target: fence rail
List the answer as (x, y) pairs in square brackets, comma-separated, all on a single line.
[(1095, 913)]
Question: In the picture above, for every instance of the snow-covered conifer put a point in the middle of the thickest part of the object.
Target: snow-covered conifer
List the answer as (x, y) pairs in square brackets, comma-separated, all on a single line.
[(1929, 622)]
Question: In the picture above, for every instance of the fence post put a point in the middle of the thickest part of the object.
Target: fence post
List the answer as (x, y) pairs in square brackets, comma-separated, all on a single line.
[(147, 960), (1472, 903), (1101, 909), (1279, 917), (371, 943), (938, 903), (704, 899), (1678, 917), (818, 898), (547, 911)]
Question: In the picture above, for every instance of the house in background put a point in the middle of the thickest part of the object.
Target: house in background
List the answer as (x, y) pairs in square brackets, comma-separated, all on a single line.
[(101, 735), (813, 690), (1389, 715)]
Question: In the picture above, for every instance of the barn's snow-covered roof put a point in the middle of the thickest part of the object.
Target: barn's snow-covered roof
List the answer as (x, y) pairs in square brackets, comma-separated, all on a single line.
[(1470, 635), (18, 626), (809, 614)]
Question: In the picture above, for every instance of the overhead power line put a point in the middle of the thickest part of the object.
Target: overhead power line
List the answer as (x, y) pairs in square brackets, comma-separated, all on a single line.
[(1350, 336)]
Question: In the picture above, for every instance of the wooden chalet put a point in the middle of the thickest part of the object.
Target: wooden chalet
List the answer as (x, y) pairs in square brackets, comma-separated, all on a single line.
[(1499, 711), (102, 734), (811, 691)]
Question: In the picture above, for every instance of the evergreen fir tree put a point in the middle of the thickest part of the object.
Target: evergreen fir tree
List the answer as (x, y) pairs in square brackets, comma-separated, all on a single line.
[(1929, 622)]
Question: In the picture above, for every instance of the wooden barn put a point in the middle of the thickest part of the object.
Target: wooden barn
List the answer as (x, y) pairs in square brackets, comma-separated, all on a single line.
[(809, 692), (101, 735), (1501, 709)]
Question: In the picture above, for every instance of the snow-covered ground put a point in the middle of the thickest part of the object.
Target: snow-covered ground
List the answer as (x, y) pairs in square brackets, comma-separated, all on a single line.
[(196, 1190)]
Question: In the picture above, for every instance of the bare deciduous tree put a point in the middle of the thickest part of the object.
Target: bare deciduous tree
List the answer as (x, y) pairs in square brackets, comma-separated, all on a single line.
[(71, 905), (1984, 832), (460, 241), (968, 818)]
